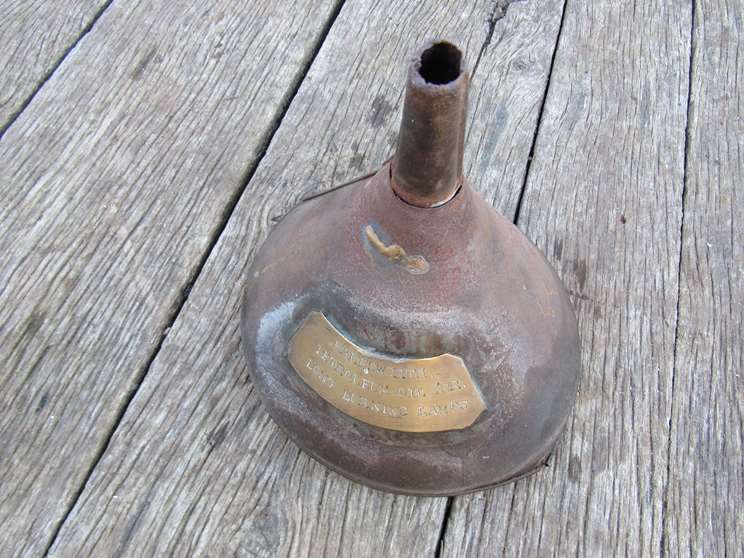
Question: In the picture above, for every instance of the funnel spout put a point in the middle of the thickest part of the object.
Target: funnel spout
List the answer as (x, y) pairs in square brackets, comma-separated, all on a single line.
[(427, 168)]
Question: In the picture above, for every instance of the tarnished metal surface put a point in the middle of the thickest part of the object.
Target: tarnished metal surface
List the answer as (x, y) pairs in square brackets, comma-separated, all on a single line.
[(427, 168), (407, 394), (485, 295)]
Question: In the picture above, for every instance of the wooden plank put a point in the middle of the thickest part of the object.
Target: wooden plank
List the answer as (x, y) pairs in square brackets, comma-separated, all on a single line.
[(113, 185), (706, 468), (196, 466), (508, 91), (36, 35), (603, 200)]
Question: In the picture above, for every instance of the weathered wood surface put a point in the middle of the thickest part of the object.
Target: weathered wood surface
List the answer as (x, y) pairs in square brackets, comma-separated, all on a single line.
[(705, 495), (604, 202), (35, 35), (113, 184), (195, 466), (117, 178)]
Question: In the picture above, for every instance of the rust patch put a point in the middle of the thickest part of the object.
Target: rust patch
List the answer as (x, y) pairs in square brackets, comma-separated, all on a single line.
[(396, 254)]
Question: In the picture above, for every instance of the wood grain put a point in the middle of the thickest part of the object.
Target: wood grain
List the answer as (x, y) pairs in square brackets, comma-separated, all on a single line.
[(604, 201), (508, 91), (113, 185), (196, 466), (35, 35), (706, 466)]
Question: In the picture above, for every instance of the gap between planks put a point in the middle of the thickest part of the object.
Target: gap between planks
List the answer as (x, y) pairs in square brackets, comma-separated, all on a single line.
[(518, 210), (224, 218), (690, 78), (55, 65), (685, 178), (499, 11)]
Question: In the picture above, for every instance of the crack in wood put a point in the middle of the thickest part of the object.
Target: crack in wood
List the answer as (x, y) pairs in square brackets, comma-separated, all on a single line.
[(498, 12)]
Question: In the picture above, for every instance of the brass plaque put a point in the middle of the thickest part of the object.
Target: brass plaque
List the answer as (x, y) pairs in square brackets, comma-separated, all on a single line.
[(407, 394)]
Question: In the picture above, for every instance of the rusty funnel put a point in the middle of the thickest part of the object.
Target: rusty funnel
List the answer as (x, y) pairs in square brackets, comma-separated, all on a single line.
[(403, 332)]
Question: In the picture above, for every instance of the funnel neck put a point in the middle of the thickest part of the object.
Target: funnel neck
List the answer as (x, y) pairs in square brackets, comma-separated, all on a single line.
[(427, 167)]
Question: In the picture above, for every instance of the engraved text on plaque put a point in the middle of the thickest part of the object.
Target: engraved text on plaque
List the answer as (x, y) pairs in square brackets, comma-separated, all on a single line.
[(407, 394)]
